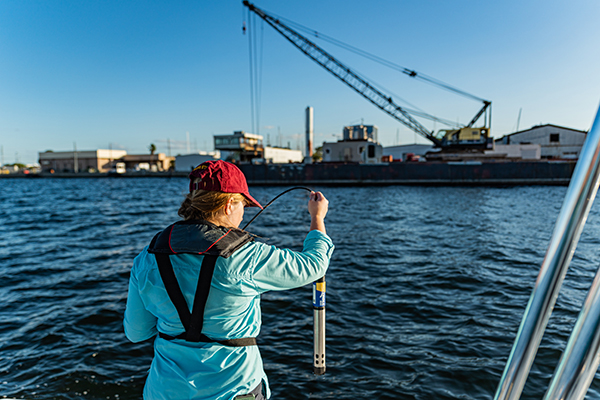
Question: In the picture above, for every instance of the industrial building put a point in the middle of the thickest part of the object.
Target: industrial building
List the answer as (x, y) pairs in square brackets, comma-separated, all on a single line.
[(241, 146), (361, 132), (358, 145), (149, 162), (278, 155), (102, 161), (248, 147), (555, 141), (359, 151), (79, 161), (188, 162)]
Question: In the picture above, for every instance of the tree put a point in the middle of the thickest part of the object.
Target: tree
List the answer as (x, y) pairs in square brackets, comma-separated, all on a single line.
[(318, 154), (18, 165), (152, 148)]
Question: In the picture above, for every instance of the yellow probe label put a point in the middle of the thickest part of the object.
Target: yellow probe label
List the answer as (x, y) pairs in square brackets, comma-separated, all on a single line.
[(321, 286)]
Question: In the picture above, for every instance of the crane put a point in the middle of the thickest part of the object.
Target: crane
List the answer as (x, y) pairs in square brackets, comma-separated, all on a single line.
[(467, 137)]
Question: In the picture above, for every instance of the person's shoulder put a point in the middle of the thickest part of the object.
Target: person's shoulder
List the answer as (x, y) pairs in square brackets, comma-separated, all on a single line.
[(240, 263), (143, 261), (258, 247)]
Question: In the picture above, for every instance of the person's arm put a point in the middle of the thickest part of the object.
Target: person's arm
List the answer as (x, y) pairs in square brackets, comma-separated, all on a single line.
[(317, 207), (282, 269), (138, 322)]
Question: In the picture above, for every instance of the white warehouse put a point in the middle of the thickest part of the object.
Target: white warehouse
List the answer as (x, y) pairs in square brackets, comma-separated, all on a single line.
[(555, 141), (188, 162), (277, 155), (360, 151)]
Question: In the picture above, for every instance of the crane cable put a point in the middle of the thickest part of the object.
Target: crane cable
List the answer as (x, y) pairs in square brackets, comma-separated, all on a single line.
[(416, 111), (382, 61), (255, 50)]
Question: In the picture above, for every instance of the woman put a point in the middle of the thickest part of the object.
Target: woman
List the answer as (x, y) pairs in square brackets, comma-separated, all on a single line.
[(198, 285)]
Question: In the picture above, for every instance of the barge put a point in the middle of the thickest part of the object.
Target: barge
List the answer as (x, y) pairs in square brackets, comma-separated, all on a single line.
[(459, 173), (431, 173)]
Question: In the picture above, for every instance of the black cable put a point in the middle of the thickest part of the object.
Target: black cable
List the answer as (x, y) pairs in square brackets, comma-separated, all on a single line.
[(271, 202)]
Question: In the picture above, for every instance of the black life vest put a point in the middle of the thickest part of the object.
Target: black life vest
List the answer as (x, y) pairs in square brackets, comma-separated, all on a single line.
[(201, 238)]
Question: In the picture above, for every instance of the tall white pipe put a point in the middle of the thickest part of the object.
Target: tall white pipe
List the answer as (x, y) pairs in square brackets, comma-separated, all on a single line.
[(309, 135)]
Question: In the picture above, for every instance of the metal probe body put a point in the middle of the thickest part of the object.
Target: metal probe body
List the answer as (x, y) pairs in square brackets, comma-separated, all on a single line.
[(319, 326)]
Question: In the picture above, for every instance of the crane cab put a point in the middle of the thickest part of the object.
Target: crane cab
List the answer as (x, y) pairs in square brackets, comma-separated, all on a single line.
[(467, 136)]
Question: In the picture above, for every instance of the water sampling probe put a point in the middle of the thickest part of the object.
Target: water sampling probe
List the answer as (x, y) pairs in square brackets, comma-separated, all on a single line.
[(318, 304)]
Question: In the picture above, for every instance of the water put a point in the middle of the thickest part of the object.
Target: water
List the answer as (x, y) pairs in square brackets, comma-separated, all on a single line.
[(426, 288)]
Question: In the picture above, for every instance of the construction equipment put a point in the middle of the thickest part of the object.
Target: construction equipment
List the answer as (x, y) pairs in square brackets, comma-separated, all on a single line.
[(463, 138)]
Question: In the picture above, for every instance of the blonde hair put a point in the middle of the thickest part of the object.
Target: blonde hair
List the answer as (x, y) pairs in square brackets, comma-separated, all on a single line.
[(204, 204)]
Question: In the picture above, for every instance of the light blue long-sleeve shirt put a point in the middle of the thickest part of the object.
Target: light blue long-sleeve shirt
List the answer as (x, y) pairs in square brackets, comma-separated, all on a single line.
[(186, 370)]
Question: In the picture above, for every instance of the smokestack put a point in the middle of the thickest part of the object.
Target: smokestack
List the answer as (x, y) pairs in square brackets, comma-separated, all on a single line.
[(309, 135)]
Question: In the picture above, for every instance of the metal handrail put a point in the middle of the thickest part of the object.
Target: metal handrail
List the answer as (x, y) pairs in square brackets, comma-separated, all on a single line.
[(579, 362), (567, 230)]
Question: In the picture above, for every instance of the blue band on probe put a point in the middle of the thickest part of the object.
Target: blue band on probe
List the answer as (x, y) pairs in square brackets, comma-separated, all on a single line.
[(318, 294)]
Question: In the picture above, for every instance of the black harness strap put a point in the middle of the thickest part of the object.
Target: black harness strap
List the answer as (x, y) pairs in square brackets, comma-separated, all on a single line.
[(225, 342), (173, 290), (197, 318), (193, 322)]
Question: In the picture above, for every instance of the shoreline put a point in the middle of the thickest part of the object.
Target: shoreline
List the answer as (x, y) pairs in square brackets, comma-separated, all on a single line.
[(62, 175), (516, 173)]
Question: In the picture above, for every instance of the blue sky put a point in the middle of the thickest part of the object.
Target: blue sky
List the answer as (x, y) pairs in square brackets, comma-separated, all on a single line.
[(126, 74)]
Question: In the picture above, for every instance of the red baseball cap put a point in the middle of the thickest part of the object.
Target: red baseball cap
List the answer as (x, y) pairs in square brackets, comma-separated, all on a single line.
[(221, 176)]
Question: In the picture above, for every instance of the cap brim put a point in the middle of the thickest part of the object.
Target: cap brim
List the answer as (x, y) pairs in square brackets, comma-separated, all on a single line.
[(252, 202)]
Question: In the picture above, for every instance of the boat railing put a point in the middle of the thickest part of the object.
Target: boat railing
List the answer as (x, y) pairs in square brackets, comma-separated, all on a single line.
[(579, 362)]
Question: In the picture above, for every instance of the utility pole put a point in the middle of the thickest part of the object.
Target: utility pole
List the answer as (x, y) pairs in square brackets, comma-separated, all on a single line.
[(279, 136)]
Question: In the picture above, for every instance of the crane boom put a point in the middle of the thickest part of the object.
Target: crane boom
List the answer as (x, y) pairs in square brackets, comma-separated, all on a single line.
[(345, 74)]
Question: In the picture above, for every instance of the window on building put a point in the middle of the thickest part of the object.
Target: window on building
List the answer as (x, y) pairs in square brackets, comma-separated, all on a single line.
[(371, 151), (554, 138)]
